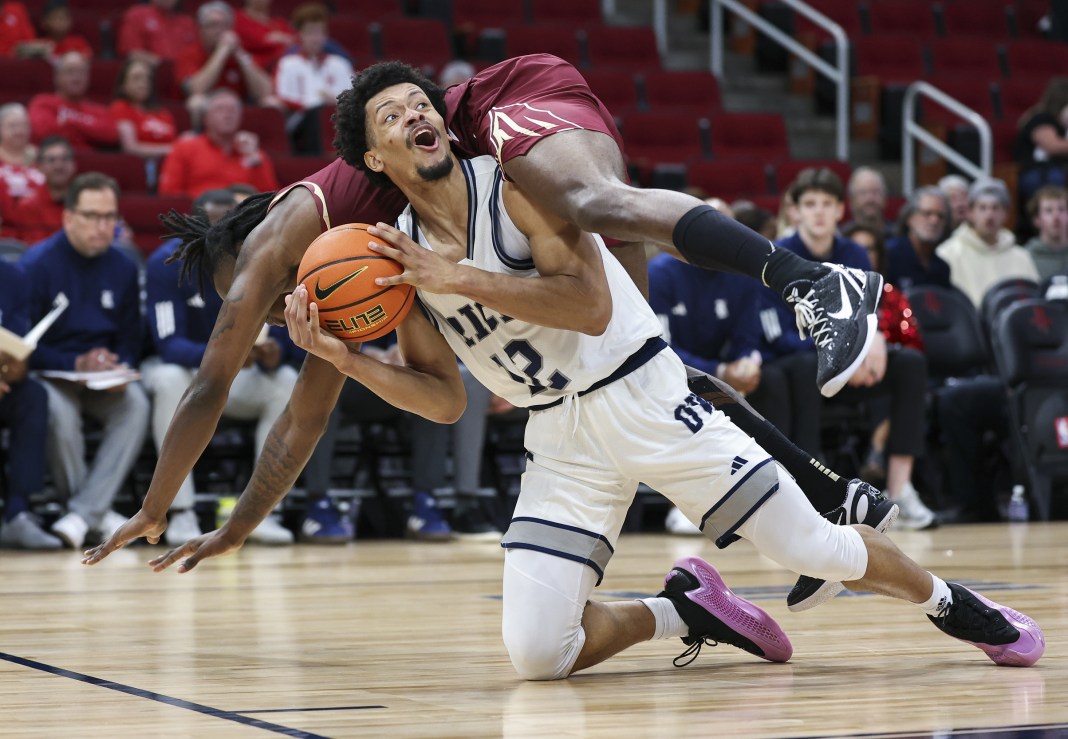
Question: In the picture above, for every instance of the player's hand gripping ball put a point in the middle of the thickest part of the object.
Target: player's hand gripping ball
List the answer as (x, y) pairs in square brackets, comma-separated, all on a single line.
[(339, 272)]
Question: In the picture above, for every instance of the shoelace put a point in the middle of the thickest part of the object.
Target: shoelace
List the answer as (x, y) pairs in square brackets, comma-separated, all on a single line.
[(693, 651), (811, 316)]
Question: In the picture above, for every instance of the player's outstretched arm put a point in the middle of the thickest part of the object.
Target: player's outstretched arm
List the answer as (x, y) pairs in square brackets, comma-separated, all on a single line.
[(287, 449), (265, 268)]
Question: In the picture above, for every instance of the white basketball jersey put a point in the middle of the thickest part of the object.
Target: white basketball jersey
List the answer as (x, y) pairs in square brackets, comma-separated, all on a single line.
[(526, 364)]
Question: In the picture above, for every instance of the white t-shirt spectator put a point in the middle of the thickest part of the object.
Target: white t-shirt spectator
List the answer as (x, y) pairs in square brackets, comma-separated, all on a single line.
[(304, 82)]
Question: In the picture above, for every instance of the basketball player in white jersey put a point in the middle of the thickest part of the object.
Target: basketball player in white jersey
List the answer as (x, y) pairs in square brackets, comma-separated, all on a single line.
[(541, 313)]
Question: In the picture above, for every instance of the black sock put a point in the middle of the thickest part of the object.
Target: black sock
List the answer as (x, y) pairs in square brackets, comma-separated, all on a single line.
[(710, 239), (785, 267), (823, 488)]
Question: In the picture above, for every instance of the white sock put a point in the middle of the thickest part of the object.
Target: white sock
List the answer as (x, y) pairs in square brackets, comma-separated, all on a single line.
[(941, 598), (668, 621)]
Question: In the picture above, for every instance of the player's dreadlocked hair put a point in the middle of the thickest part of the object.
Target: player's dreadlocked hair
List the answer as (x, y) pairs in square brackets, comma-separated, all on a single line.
[(205, 246), (350, 120)]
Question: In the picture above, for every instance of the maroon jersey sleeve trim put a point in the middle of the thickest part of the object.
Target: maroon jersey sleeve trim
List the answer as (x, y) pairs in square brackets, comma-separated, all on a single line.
[(317, 193)]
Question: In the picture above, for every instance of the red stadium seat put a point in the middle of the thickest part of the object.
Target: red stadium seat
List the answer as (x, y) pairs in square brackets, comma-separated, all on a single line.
[(180, 114), (87, 25), (694, 93), (661, 138), (913, 18), (632, 48), (1032, 58), (142, 212), (975, 92), (893, 59), (1018, 95), (103, 74), (127, 169), (843, 12), (370, 11), (977, 18), (24, 78), (560, 41), (786, 172), (616, 89), (352, 33), (295, 169), (966, 56), (421, 42), (750, 136), (474, 15), (575, 13), (1028, 14), (270, 125), (730, 180)]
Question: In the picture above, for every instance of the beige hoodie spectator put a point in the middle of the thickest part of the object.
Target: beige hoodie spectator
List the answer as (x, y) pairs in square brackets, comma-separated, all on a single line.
[(982, 251)]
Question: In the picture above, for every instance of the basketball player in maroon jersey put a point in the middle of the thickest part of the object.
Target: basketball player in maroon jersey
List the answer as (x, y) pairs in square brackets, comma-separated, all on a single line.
[(552, 136)]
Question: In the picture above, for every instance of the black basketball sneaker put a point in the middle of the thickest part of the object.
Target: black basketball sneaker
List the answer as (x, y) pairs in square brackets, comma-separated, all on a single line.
[(863, 504), (838, 312)]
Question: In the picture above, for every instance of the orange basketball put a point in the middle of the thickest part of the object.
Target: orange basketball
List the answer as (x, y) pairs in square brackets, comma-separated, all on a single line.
[(339, 273)]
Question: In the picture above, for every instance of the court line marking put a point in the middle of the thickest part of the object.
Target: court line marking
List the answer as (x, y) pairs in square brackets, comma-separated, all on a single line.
[(160, 698), (303, 710)]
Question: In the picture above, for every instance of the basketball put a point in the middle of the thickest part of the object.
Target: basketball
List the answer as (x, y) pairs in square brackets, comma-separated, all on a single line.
[(339, 272)]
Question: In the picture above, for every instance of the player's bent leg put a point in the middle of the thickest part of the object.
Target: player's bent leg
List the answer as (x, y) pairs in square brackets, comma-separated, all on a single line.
[(544, 600)]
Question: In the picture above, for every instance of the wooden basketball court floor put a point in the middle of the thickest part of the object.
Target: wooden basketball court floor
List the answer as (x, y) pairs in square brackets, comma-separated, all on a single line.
[(403, 639)]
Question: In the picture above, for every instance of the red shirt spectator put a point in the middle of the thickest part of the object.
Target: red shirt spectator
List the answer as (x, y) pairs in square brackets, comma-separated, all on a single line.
[(193, 58), (219, 60), (36, 212), (66, 113), (145, 129), (156, 31), (151, 126), (219, 157), (15, 27), (266, 38)]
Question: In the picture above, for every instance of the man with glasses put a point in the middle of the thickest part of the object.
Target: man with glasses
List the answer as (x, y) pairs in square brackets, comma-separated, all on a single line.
[(100, 329), (911, 258), (38, 212)]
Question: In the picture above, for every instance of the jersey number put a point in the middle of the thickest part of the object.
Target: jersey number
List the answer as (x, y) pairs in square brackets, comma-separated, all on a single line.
[(687, 412), (520, 352)]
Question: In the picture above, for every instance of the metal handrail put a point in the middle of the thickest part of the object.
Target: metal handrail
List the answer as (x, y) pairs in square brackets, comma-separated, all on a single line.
[(912, 131), (838, 74)]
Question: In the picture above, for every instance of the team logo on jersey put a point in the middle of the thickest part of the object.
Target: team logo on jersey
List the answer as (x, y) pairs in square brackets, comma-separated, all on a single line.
[(737, 463), (519, 119)]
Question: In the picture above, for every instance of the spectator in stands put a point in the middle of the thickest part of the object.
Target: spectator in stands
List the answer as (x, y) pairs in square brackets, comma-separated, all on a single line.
[(146, 129), (56, 39), (899, 327), (67, 113), (101, 329), (955, 188), (982, 251), (910, 257), (38, 212), (752, 215), (156, 31), (786, 221), (262, 35), (181, 317), (1041, 148), (455, 72), (1048, 209), (867, 198), (15, 27), (309, 81), (17, 155), (217, 59), (220, 156), (889, 370), (24, 412)]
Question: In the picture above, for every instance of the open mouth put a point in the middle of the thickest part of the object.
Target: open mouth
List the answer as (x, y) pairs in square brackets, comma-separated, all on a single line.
[(424, 137)]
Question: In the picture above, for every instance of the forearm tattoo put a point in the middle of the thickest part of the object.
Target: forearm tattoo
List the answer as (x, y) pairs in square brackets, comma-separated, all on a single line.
[(273, 476)]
